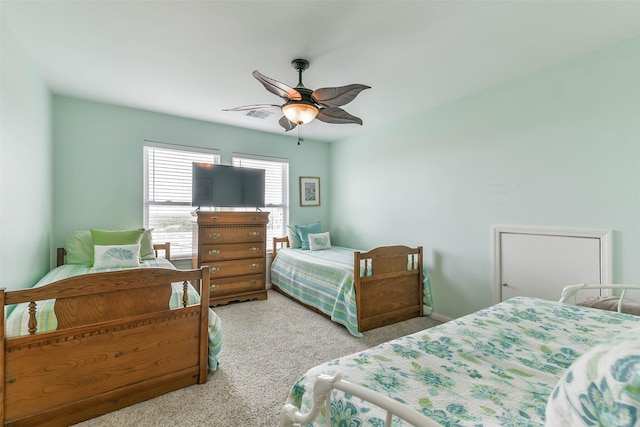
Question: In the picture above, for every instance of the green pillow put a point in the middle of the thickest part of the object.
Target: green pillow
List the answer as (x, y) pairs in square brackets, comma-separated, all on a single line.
[(305, 230), (294, 237), (116, 237), (79, 247)]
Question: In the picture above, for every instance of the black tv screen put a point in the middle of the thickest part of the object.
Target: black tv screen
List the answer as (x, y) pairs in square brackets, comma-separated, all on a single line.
[(227, 186)]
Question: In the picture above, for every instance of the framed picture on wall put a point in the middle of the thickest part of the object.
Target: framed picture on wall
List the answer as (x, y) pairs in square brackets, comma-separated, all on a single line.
[(309, 191)]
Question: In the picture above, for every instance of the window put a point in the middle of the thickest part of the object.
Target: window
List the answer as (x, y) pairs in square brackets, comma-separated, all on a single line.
[(276, 191), (167, 193)]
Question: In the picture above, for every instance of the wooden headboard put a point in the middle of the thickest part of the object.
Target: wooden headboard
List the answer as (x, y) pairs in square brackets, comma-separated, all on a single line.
[(166, 247), (279, 243)]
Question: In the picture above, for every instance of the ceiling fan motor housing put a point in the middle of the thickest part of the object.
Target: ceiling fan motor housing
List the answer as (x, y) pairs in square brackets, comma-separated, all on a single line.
[(300, 64)]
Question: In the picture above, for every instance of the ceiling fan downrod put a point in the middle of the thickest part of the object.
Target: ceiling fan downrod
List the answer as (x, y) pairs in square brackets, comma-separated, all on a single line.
[(300, 65)]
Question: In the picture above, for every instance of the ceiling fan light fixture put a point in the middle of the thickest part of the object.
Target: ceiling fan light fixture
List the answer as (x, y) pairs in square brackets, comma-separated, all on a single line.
[(299, 112)]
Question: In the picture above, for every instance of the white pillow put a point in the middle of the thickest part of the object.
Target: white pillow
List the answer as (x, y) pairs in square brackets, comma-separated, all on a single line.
[(319, 241), (116, 256), (601, 387), (146, 245)]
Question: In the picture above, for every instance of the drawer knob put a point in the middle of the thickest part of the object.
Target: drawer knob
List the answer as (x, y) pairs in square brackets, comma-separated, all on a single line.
[(214, 218), (253, 282), (254, 233), (254, 218), (253, 250), (254, 266), (214, 252), (214, 288), (214, 235), (214, 269)]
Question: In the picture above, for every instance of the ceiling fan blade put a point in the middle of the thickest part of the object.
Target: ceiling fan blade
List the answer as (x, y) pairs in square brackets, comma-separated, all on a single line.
[(286, 124), (277, 88), (337, 96), (337, 115), (253, 107)]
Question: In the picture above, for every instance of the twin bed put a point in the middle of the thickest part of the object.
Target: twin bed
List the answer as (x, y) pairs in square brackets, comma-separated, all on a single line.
[(360, 290), (85, 341), (523, 362)]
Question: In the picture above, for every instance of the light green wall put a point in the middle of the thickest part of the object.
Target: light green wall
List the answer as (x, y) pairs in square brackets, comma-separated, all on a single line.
[(98, 176), (25, 167), (560, 148)]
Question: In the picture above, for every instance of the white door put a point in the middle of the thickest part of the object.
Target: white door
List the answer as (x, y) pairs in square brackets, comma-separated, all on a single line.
[(541, 265)]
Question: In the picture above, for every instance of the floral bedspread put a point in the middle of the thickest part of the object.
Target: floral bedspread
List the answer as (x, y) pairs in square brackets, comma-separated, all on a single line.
[(497, 366)]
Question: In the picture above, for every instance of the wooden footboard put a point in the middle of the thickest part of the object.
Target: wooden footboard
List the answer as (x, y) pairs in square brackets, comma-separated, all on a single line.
[(117, 343), (390, 288)]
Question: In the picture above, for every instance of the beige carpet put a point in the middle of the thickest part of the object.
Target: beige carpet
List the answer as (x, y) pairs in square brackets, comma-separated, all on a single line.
[(267, 346)]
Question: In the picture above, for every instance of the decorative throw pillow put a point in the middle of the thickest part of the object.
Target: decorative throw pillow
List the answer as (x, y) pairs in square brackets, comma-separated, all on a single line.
[(116, 256), (79, 247), (319, 241), (146, 245), (629, 306), (294, 237), (305, 230), (116, 237), (601, 387)]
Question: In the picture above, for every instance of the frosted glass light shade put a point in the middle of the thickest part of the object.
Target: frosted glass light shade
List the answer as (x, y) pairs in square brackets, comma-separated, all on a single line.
[(299, 112)]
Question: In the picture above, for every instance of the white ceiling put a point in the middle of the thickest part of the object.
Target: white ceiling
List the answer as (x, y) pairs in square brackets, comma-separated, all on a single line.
[(195, 58)]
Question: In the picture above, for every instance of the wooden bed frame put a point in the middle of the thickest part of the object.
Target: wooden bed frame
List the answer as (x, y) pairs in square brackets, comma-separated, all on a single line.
[(389, 295), (117, 344)]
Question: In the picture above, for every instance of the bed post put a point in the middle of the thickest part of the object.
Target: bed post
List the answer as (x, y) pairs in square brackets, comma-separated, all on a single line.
[(2, 355), (357, 286), (205, 287), (421, 280), (60, 252)]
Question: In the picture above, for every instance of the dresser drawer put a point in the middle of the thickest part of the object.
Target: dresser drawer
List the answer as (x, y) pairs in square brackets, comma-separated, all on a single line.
[(217, 235), (235, 268), (235, 285), (232, 251), (233, 217)]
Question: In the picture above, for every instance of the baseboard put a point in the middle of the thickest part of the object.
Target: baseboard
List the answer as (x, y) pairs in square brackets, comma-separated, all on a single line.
[(440, 317)]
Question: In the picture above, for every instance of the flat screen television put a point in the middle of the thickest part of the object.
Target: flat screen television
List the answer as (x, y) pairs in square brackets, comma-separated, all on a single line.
[(227, 186)]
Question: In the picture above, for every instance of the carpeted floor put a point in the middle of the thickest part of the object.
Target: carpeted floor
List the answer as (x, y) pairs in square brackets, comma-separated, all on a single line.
[(267, 346)]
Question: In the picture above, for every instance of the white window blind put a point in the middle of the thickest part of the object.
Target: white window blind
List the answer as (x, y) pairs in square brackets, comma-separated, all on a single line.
[(167, 193), (276, 191)]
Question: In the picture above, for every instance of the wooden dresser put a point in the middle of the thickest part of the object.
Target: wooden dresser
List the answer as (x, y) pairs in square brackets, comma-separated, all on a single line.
[(233, 246)]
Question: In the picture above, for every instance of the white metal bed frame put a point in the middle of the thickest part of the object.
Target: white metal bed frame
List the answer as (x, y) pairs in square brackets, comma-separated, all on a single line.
[(569, 292), (290, 414)]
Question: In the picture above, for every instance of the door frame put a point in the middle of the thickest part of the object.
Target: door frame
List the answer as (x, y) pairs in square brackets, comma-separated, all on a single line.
[(604, 236)]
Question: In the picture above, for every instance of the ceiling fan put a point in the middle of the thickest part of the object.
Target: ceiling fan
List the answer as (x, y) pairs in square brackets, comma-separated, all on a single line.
[(302, 105)]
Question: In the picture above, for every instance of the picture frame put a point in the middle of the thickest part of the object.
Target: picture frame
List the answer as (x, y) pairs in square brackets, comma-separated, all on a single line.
[(309, 191)]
